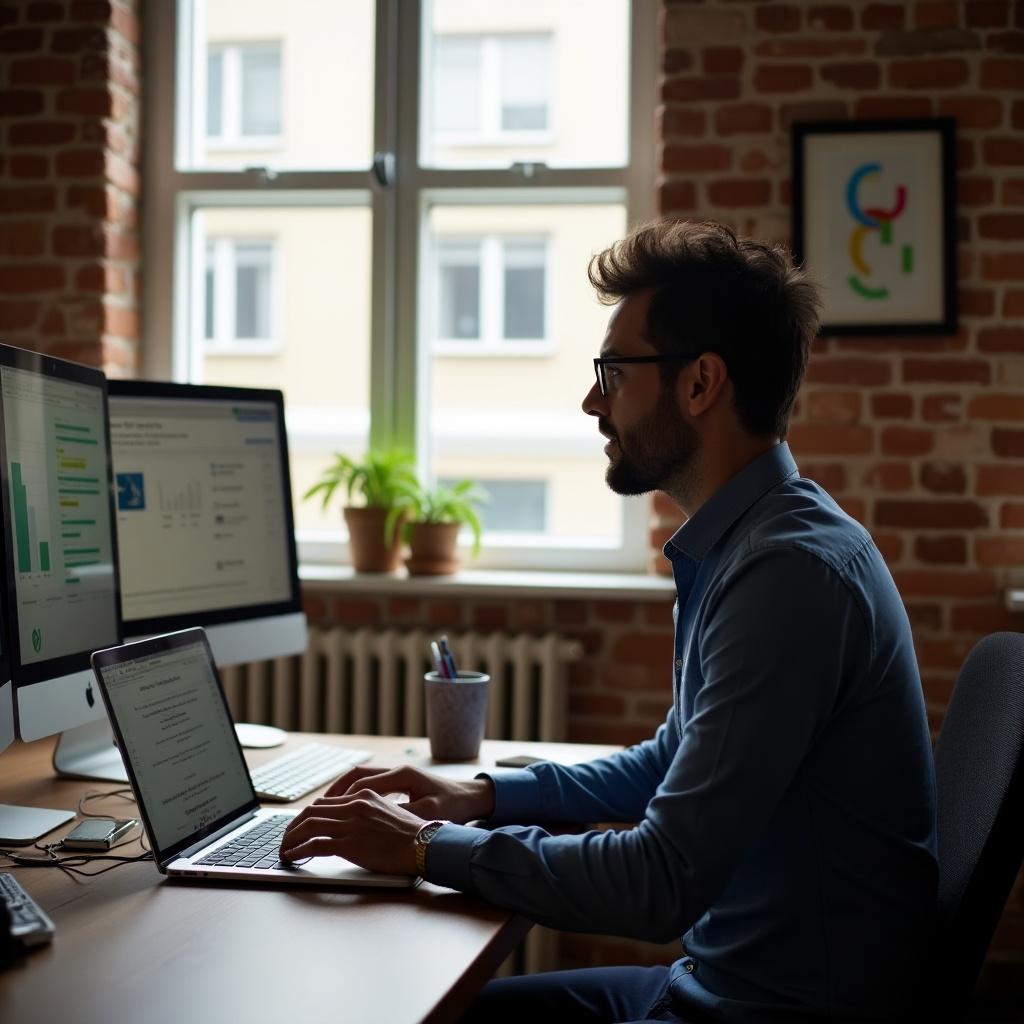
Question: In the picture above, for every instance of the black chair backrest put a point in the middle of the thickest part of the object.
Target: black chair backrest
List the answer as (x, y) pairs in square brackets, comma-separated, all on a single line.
[(979, 765)]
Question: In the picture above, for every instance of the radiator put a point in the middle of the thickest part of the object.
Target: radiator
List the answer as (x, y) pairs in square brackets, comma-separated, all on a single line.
[(371, 681)]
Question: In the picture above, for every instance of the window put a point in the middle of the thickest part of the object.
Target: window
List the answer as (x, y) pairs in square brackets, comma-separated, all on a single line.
[(243, 95), (238, 293), (491, 87), (386, 209), (490, 292)]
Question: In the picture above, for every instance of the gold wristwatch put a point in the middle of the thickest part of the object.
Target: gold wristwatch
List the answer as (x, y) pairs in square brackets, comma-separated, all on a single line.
[(423, 837)]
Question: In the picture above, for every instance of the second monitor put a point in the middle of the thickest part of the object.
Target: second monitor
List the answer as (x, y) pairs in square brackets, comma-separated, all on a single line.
[(204, 516)]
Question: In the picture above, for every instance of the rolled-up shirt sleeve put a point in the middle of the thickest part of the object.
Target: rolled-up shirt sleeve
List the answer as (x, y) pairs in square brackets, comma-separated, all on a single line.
[(772, 642)]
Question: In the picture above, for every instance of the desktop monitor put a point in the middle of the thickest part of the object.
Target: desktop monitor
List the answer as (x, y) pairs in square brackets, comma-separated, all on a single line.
[(204, 517), (60, 564)]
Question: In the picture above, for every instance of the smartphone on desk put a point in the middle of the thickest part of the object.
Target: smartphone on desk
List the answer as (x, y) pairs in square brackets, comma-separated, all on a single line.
[(516, 761), (98, 833)]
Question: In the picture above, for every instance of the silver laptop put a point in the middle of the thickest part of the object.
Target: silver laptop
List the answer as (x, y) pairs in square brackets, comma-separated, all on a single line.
[(175, 731)]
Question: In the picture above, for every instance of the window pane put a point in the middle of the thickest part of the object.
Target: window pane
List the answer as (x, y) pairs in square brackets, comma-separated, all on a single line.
[(321, 257), (214, 92), (509, 410), (261, 91), (288, 85), (552, 83), (457, 97), (515, 506), (459, 290), (208, 294)]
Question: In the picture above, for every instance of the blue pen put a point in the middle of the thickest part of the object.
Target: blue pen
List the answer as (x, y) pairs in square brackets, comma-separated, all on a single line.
[(449, 661)]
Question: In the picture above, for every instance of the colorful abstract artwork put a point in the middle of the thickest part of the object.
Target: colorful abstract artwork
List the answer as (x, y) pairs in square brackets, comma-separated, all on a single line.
[(873, 223)]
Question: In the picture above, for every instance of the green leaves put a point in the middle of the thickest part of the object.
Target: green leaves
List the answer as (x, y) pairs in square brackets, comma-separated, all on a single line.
[(383, 478)]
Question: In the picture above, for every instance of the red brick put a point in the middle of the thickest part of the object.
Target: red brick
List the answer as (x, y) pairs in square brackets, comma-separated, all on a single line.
[(739, 192), (673, 61), (570, 613), (1001, 339), (445, 613), (21, 40), (985, 618), (722, 60), (121, 321), (796, 46), (691, 90), (975, 191), (811, 110), (935, 15), (972, 111), (998, 551), (89, 102), (24, 279), (924, 616), (625, 734), (78, 240), (1013, 303), (943, 477), (1000, 480), (682, 121), (947, 654), (939, 73), (20, 102), (833, 17), (782, 77), (1002, 266), (852, 76), (677, 195), (1004, 152), (743, 118), (1013, 192), (29, 167), (658, 614), (892, 106), (882, 16), (490, 617), (403, 610), (986, 13), (90, 10), (22, 238), (889, 544), (830, 475), (941, 408), (614, 611), (889, 476), (892, 407), (677, 158), (531, 615), (996, 407), (833, 406), (976, 302), (918, 370), (41, 133), (830, 440), (650, 649), (54, 323), (126, 23), (1008, 443), (945, 550), (944, 583), (906, 441), (80, 163), (1002, 73), (931, 515), (1011, 517), (597, 704), (778, 18), (863, 372), (17, 315), (1005, 42), (42, 71), (41, 11)]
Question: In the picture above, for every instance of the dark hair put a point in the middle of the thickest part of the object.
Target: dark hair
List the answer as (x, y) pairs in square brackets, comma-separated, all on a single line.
[(713, 292)]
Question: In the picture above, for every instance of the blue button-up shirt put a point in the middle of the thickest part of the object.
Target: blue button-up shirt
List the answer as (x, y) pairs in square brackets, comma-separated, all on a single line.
[(785, 809)]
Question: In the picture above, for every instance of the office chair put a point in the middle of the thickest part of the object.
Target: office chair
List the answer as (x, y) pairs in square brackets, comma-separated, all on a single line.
[(979, 765)]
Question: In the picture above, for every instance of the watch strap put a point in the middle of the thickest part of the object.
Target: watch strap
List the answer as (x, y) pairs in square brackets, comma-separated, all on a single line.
[(423, 837)]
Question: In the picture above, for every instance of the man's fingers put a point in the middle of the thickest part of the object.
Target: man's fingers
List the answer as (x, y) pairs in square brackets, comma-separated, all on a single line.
[(312, 828), (318, 847), (343, 782)]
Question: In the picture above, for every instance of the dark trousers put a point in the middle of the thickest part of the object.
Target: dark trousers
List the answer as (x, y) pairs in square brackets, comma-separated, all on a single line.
[(596, 995)]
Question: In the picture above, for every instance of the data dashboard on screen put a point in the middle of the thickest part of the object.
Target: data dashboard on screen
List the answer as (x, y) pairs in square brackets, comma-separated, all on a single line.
[(203, 501)]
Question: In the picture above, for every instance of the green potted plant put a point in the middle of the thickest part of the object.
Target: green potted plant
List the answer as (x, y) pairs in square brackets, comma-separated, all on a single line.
[(435, 516), (383, 481)]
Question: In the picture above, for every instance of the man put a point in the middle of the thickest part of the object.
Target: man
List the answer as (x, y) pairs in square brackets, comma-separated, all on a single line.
[(785, 809)]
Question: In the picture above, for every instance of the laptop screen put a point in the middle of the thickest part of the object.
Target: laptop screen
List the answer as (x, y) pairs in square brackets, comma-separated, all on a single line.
[(177, 738)]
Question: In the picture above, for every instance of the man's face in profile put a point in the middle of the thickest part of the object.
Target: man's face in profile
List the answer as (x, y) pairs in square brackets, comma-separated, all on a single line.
[(650, 442)]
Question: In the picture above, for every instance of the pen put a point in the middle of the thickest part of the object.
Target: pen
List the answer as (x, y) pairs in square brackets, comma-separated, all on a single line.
[(439, 662), (449, 661)]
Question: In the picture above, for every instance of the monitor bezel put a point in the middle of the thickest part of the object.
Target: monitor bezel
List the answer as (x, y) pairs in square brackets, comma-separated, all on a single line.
[(235, 613), (51, 668)]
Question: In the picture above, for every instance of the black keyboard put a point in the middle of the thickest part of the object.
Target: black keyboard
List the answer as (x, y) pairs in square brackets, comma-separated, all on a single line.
[(255, 848), (28, 925)]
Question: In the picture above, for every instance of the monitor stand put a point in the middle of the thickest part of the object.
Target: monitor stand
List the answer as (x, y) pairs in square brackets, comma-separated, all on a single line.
[(88, 752)]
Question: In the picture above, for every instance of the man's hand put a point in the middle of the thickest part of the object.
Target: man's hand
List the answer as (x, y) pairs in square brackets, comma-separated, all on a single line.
[(363, 827), (429, 796)]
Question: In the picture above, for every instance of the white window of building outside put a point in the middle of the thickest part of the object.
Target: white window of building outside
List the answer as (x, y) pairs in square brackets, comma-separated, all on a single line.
[(399, 241)]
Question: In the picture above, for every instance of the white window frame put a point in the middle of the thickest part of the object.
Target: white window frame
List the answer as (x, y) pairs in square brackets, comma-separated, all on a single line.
[(492, 340), (232, 138), (490, 132), (399, 191), (226, 341)]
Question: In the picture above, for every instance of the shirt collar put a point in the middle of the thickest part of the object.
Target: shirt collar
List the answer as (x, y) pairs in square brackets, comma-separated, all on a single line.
[(699, 534)]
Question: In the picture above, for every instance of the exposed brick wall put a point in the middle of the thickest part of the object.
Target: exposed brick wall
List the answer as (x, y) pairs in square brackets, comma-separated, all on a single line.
[(69, 182)]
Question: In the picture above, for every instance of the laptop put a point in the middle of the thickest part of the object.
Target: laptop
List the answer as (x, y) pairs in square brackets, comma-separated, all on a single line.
[(175, 732)]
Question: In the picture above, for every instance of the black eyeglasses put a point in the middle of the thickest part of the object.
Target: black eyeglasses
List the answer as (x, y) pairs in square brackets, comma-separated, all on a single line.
[(600, 362)]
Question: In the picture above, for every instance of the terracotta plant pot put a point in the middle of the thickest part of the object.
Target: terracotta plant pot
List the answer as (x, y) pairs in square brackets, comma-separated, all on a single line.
[(371, 551), (432, 549)]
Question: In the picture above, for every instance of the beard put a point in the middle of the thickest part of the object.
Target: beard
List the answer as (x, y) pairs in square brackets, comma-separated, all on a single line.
[(654, 452)]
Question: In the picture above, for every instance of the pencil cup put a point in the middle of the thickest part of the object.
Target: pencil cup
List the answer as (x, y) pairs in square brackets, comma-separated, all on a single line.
[(456, 714)]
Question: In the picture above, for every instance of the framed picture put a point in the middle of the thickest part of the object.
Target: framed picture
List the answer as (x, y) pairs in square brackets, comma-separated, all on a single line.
[(874, 224)]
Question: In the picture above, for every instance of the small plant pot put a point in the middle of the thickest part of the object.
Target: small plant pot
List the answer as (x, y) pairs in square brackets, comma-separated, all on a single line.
[(432, 549), (371, 550)]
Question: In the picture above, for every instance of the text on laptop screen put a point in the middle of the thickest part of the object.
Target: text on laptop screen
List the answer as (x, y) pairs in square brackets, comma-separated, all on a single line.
[(180, 739), (201, 514), (61, 543)]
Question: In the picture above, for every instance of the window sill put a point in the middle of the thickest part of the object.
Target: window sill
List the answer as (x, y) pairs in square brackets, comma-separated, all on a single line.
[(592, 586)]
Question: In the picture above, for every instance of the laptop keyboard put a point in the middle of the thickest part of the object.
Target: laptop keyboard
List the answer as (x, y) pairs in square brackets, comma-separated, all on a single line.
[(257, 847), (294, 775)]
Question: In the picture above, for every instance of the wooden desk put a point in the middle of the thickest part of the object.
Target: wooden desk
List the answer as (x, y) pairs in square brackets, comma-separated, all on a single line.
[(131, 946)]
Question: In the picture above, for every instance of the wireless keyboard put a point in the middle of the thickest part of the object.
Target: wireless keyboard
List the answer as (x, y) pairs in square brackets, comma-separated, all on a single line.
[(28, 925), (295, 774)]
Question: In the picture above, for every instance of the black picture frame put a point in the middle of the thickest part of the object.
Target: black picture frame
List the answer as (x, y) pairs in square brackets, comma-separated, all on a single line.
[(892, 274)]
